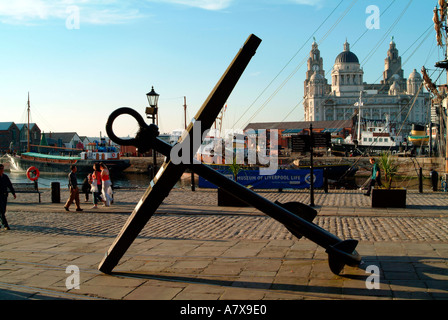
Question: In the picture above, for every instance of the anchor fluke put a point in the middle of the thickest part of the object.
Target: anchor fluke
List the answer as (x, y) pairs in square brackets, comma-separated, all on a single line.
[(341, 254)]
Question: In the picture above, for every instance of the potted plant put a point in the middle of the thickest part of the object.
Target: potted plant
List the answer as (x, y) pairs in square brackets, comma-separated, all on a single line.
[(386, 195), (226, 199)]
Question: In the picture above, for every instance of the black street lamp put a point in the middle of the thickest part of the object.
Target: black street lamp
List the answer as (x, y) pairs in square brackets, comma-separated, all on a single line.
[(151, 112), (153, 99)]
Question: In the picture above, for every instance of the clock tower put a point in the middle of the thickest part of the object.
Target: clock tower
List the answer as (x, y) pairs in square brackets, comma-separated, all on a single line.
[(315, 64), (315, 85)]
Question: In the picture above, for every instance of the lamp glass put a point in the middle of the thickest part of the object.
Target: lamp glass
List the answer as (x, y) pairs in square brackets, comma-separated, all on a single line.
[(153, 98)]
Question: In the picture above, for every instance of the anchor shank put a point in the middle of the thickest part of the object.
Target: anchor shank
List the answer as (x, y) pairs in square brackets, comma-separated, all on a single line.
[(218, 97)]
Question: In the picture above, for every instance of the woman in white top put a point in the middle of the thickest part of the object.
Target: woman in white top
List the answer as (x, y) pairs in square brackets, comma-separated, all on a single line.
[(106, 190)]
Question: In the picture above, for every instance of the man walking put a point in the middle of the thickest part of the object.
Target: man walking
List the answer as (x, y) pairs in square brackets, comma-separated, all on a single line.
[(5, 184), (74, 190), (376, 176)]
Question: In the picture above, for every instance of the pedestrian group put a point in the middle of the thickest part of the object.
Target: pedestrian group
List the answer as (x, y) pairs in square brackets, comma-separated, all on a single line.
[(98, 183)]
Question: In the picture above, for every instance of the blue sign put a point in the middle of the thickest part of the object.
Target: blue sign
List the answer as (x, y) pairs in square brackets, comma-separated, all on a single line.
[(282, 179)]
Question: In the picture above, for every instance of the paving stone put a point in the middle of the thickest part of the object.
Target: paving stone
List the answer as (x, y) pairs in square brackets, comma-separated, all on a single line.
[(153, 293), (191, 249)]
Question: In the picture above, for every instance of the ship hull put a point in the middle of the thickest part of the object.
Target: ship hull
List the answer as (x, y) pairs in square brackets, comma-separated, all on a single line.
[(418, 136), (344, 150), (18, 164), (419, 141)]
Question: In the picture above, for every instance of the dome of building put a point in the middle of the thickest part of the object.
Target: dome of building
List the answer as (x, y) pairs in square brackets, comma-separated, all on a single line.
[(415, 75), (347, 56)]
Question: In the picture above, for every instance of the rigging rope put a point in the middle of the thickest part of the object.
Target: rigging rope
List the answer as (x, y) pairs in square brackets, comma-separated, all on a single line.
[(290, 60), (327, 73), (299, 66), (379, 43)]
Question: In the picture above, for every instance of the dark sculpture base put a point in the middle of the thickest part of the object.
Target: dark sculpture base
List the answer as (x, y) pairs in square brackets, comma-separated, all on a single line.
[(389, 198)]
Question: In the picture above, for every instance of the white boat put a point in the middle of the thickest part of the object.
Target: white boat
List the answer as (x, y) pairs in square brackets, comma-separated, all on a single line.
[(371, 136), (376, 134), (175, 135)]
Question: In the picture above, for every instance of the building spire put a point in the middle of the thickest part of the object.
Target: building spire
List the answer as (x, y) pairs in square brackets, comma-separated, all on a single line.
[(346, 45)]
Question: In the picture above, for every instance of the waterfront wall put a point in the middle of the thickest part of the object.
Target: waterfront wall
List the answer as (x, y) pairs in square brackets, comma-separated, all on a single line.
[(141, 164), (408, 166)]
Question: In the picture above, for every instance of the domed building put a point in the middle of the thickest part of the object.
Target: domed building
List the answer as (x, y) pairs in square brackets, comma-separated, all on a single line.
[(347, 75), (393, 96)]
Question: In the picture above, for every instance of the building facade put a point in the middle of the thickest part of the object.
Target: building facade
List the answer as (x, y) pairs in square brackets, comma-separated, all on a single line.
[(402, 99), (9, 137), (34, 135)]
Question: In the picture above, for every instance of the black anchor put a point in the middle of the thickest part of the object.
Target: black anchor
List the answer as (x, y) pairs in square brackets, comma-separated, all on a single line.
[(296, 217)]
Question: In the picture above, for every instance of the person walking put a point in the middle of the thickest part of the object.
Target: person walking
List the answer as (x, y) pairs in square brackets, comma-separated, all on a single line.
[(5, 184), (375, 178), (74, 190), (96, 185), (106, 190)]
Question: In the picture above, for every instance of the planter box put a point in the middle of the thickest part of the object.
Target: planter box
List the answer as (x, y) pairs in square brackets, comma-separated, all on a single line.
[(393, 198), (226, 199)]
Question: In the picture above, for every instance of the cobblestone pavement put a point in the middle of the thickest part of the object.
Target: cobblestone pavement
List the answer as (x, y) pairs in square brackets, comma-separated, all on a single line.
[(345, 214)]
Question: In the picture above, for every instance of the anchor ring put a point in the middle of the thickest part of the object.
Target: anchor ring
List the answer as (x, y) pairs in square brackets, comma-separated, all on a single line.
[(145, 136), (114, 115)]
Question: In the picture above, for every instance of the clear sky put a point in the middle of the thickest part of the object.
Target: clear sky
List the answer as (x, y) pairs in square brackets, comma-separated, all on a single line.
[(81, 60)]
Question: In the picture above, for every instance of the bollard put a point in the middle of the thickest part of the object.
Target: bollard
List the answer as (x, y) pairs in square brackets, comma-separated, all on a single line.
[(325, 180), (434, 179), (420, 181), (55, 192)]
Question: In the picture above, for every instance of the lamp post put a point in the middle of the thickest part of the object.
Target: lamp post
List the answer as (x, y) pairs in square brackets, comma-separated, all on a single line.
[(151, 112)]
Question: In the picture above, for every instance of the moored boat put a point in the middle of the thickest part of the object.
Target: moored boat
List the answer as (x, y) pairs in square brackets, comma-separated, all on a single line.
[(49, 163), (419, 136), (372, 136), (61, 164)]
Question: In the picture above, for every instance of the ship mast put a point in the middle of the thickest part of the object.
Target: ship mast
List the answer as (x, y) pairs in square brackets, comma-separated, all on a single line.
[(359, 104), (28, 127)]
